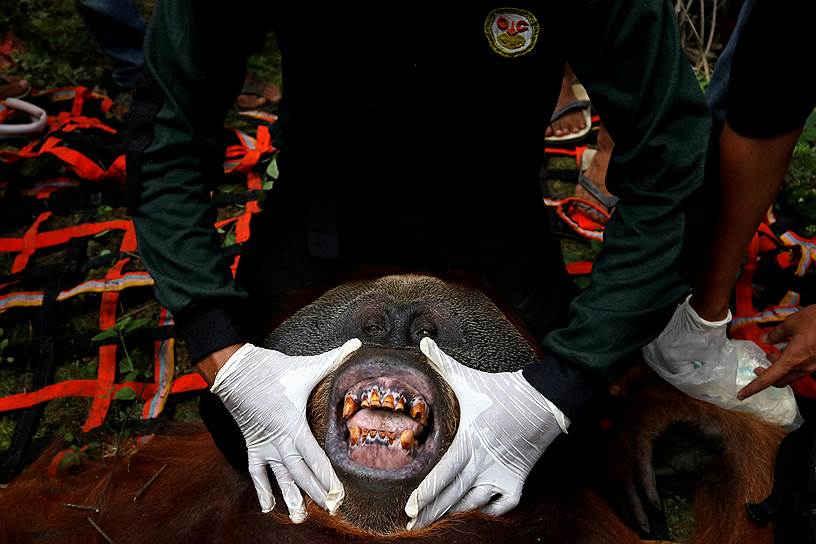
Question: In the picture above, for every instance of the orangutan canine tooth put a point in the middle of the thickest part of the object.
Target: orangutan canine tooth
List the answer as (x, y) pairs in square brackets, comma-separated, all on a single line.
[(407, 439), (354, 434), (388, 402), (419, 412), (374, 399), (349, 406)]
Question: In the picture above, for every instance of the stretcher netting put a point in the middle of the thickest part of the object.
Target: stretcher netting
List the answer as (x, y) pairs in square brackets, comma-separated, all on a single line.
[(53, 189)]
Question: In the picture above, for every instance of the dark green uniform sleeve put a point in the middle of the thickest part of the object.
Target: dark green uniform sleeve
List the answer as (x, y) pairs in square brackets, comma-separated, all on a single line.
[(631, 63), (194, 67)]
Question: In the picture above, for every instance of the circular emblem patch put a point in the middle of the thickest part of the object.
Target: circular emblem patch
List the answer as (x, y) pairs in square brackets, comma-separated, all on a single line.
[(512, 32)]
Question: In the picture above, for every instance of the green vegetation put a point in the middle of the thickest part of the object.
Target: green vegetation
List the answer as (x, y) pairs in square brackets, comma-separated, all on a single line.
[(799, 191), (55, 39)]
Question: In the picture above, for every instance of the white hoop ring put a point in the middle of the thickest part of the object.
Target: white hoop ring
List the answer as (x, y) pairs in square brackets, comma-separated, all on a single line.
[(39, 119)]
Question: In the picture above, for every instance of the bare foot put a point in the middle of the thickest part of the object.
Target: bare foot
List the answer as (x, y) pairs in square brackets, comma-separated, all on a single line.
[(571, 122), (257, 93), (595, 171)]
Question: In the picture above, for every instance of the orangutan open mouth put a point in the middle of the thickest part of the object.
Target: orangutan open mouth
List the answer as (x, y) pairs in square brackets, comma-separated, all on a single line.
[(386, 422), (381, 417)]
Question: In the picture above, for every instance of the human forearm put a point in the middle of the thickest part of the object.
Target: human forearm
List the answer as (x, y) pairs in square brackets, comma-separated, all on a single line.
[(751, 171)]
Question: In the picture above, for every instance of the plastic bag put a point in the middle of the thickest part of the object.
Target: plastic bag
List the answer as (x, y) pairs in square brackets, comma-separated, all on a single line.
[(719, 382)]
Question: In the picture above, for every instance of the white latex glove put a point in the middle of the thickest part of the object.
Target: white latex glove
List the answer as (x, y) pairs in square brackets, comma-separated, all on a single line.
[(266, 392), (697, 357), (505, 425)]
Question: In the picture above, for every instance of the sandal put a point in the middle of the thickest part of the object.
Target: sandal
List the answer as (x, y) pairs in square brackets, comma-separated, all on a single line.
[(601, 195), (583, 104)]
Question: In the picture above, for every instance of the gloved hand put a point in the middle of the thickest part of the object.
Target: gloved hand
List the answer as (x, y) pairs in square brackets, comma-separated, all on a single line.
[(266, 392), (505, 425), (697, 357)]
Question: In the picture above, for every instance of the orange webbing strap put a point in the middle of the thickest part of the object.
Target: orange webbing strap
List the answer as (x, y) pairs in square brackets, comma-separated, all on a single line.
[(33, 240), (579, 268), (245, 155), (576, 152), (106, 373), (79, 95), (582, 216), (68, 122), (163, 370), (747, 320), (241, 158), (88, 388), (806, 246), (35, 298)]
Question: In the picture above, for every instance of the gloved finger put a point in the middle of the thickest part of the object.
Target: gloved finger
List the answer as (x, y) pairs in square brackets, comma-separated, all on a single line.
[(316, 464), (502, 504), (447, 367), (446, 470), (290, 491), (334, 358), (260, 479), (302, 474), (476, 497), (779, 333), (444, 500), (770, 376), (322, 365)]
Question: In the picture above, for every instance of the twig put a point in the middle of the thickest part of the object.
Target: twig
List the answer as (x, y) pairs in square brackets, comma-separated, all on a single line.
[(101, 532), (81, 507), (150, 481)]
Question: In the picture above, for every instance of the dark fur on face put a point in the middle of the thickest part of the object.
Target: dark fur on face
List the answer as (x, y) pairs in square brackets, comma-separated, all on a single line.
[(396, 312)]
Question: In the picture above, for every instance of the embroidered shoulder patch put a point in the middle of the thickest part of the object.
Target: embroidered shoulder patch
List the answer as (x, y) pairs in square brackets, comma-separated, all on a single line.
[(512, 32)]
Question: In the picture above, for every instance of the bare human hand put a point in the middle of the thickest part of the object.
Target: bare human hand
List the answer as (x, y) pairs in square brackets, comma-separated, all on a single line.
[(797, 360)]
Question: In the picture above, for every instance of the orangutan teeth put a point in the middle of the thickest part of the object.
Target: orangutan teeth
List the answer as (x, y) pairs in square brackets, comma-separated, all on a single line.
[(386, 399), (349, 406), (359, 436), (407, 439), (419, 410)]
